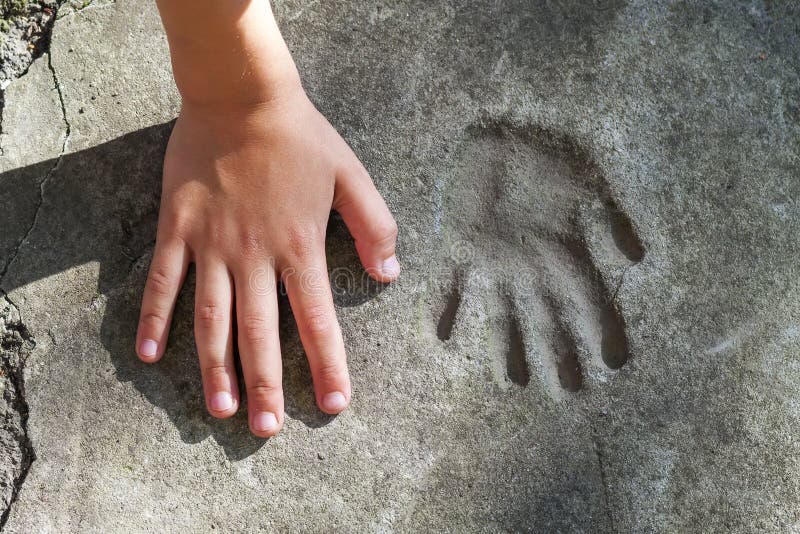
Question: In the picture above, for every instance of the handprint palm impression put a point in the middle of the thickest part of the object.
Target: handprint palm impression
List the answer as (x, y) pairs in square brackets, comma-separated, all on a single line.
[(539, 216)]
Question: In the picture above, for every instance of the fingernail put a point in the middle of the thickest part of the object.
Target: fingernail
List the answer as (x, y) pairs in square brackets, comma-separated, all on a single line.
[(334, 402), (221, 402), (391, 267), (148, 348), (265, 422)]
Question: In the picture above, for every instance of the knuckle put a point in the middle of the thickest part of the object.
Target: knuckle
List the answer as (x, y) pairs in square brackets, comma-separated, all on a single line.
[(302, 243), (159, 282), (179, 223), (251, 244), (211, 370), (182, 228), (331, 370), (154, 318), (215, 236), (386, 232), (263, 390), (210, 314), (255, 329), (317, 319)]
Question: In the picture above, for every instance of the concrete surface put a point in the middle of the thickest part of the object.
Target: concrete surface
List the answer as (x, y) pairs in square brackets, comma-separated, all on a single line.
[(598, 324)]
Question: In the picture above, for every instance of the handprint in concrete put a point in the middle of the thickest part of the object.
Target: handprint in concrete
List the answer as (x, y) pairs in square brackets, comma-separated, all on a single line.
[(535, 237)]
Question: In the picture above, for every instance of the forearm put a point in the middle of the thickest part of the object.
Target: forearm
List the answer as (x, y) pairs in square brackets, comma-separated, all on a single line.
[(227, 52)]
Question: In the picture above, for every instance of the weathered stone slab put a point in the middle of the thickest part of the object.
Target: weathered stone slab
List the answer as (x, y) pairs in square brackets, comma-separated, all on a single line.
[(597, 327)]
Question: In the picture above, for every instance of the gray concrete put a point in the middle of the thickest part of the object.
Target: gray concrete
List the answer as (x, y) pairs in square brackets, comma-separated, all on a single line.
[(598, 324)]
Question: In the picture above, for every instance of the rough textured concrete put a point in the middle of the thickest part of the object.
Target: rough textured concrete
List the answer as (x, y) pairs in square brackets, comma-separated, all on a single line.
[(598, 324), (24, 29)]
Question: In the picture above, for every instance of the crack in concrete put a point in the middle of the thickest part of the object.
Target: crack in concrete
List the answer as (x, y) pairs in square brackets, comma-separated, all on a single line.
[(2, 110), (15, 342), (47, 176), (15, 351), (38, 51), (598, 450), (619, 284)]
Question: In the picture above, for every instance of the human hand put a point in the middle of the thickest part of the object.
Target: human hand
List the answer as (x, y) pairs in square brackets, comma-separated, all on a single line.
[(247, 192)]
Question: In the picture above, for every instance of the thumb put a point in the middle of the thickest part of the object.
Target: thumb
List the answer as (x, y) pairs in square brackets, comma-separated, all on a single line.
[(369, 220)]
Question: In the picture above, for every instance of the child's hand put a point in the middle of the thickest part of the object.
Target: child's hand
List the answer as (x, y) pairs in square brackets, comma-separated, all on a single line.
[(250, 176), (246, 196)]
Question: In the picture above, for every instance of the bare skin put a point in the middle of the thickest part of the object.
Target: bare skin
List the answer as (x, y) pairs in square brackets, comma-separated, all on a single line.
[(251, 173)]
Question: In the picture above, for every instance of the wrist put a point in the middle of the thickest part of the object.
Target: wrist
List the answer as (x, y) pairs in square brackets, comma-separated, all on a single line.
[(234, 58), (249, 85), (244, 117)]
